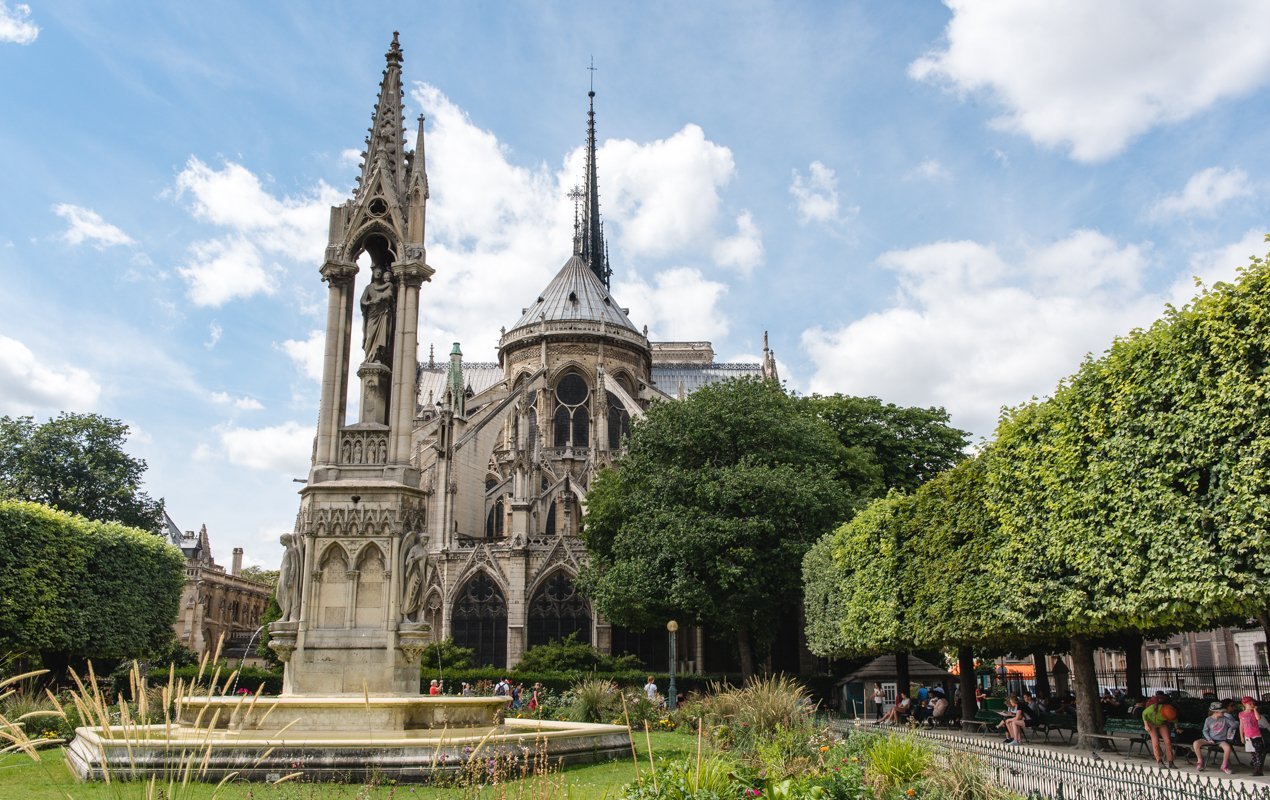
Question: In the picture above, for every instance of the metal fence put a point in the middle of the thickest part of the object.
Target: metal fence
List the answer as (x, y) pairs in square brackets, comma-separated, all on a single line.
[(1047, 775), (1197, 681)]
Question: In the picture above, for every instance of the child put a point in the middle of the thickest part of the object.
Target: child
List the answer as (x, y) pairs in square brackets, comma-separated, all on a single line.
[(1250, 726), (1219, 729)]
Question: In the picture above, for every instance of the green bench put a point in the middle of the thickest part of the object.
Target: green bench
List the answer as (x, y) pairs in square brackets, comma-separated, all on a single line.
[(1062, 724), (1121, 728)]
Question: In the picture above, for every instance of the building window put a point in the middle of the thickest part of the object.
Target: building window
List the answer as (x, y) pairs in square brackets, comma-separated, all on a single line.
[(571, 420), (619, 421), (480, 620), (494, 522), (557, 611), (1262, 658)]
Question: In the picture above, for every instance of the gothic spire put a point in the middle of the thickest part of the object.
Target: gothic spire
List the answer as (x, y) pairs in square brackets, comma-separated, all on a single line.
[(386, 144), (593, 249)]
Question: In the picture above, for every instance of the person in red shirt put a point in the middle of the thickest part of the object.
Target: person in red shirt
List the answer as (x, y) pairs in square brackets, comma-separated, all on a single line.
[(435, 688)]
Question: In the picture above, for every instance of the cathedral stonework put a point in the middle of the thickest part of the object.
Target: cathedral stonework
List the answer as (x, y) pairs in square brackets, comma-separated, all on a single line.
[(452, 507)]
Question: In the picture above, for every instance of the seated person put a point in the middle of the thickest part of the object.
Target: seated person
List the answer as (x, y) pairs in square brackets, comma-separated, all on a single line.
[(1012, 720), (900, 711), (1220, 729), (938, 710)]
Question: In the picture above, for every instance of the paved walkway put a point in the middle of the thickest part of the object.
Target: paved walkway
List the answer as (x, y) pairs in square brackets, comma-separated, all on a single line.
[(1051, 754)]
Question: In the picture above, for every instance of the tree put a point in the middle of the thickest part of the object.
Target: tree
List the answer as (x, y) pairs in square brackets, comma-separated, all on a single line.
[(260, 575), (903, 447), (76, 463), (72, 588), (708, 514)]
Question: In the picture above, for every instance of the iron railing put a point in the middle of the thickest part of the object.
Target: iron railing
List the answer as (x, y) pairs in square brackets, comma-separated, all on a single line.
[(1196, 681), (1041, 774)]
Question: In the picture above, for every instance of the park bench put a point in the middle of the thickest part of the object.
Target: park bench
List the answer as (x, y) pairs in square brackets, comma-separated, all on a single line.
[(1122, 728), (984, 720), (1062, 724)]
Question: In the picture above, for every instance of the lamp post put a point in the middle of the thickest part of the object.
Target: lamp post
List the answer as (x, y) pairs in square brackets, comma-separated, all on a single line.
[(672, 627)]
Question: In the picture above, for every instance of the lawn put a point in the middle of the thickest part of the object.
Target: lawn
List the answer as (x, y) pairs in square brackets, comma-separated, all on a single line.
[(22, 779)]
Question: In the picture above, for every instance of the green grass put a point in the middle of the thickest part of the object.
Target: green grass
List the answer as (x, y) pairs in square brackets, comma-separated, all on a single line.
[(22, 779)]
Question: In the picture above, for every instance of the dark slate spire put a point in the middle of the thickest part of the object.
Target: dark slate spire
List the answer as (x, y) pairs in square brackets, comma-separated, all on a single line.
[(593, 248)]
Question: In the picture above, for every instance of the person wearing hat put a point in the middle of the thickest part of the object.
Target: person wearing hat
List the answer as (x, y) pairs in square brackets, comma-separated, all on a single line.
[(1250, 727), (1220, 729)]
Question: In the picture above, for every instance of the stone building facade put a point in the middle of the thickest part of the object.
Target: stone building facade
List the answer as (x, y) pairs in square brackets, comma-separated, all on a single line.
[(452, 506), (215, 603)]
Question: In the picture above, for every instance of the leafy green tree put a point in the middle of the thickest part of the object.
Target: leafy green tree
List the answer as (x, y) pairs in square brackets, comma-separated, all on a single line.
[(76, 463), (73, 589), (708, 514), (898, 447), (446, 655), (260, 574)]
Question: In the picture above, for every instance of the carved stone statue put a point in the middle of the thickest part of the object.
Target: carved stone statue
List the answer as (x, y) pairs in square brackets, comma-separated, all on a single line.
[(378, 302), (289, 578), (414, 566)]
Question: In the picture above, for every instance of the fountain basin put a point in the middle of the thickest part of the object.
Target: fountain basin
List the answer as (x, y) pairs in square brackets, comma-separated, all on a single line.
[(354, 755), (297, 713)]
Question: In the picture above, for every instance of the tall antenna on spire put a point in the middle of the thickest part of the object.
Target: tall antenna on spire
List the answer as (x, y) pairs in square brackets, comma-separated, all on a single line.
[(593, 236)]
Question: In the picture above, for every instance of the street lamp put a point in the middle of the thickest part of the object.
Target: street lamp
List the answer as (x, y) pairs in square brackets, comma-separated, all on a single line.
[(671, 626)]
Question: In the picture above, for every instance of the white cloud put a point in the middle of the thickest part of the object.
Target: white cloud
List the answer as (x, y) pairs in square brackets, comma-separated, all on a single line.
[(744, 251), (214, 332), (285, 448), (663, 195), (928, 170), (972, 330), (226, 269), (86, 225), (817, 194), (307, 354), (240, 403), (16, 25), (29, 384), (1220, 264), (679, 305), (494, 223), (1089, 75), (351, 156), (1205, 192), (258, 224)]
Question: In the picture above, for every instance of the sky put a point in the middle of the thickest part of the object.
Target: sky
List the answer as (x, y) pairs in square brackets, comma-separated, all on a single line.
[(935, 204)]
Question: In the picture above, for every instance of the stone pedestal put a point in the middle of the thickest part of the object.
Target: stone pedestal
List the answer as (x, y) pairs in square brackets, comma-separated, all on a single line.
[(375, 382)]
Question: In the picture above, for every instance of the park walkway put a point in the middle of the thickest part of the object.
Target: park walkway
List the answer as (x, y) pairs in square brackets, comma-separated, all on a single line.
[(1061, 772)]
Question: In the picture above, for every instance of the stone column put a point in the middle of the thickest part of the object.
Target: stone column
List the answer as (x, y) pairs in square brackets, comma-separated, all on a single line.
[(410, 276), (339, 277)]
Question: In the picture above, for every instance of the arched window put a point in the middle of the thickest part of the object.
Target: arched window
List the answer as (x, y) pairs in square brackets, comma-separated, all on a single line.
[(494, 522), (571, 421), (531, 433), (480, 620), (619, 421), (557, 610), (550, 527)]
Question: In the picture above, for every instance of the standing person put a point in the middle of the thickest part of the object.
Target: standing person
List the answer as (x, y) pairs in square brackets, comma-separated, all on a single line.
[(1219, 729), (467, 689), (650, 690), (1250, 727), (434, 688), (534, 702), (1159, 727), (879, 700), (517, 690)]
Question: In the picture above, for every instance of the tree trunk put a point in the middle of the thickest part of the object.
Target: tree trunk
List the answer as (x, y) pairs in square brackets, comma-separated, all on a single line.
[(902, 682), (1042, 674), (967, 678), (1088, 705), (746, 652), (1133, 665)]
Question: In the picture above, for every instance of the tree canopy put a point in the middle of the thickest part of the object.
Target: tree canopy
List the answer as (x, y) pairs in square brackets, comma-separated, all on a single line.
[(74, 588), (1132, 500), (710, 510), (76, 463)]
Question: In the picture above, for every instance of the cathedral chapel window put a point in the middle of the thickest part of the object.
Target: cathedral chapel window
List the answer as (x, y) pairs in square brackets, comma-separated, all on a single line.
[(619, 421), (494, 522), (571, 421)]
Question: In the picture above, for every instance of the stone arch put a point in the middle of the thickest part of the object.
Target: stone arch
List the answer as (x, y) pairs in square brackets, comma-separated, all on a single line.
[(370, 588), (556, 609), (479, 618), (431, 610), (571, 395), (332, 587)]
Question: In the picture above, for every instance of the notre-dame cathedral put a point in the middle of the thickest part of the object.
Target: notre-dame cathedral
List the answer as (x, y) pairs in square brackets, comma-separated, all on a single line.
[(455, 500)]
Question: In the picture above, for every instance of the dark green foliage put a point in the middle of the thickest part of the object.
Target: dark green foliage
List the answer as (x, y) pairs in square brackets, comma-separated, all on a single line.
[(249, 678), (76, 463), (447, 656), (561, 682), (261, 575), (710, 511), (272, 613), (570, 654), (83, 589)]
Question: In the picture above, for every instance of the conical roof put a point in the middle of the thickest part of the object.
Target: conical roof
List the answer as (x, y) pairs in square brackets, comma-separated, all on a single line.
[(575, 294)]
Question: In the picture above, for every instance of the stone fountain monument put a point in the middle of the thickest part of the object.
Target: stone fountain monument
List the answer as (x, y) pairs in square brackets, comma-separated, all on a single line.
[(351, 580)]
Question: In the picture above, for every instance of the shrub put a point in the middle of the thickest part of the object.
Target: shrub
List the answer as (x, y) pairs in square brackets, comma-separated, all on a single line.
[(447, 655), (895, 760), (594, 700), (570, 654), (717, 778)]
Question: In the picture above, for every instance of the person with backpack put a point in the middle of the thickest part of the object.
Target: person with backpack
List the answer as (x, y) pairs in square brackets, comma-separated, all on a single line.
[(1158, 717)]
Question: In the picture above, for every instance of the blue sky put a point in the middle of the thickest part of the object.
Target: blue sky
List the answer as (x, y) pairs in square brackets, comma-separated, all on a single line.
[(938, 204)]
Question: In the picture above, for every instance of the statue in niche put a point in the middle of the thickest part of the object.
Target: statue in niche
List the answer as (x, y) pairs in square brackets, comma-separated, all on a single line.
[(378, 302), (289, 578), (414, 563)]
